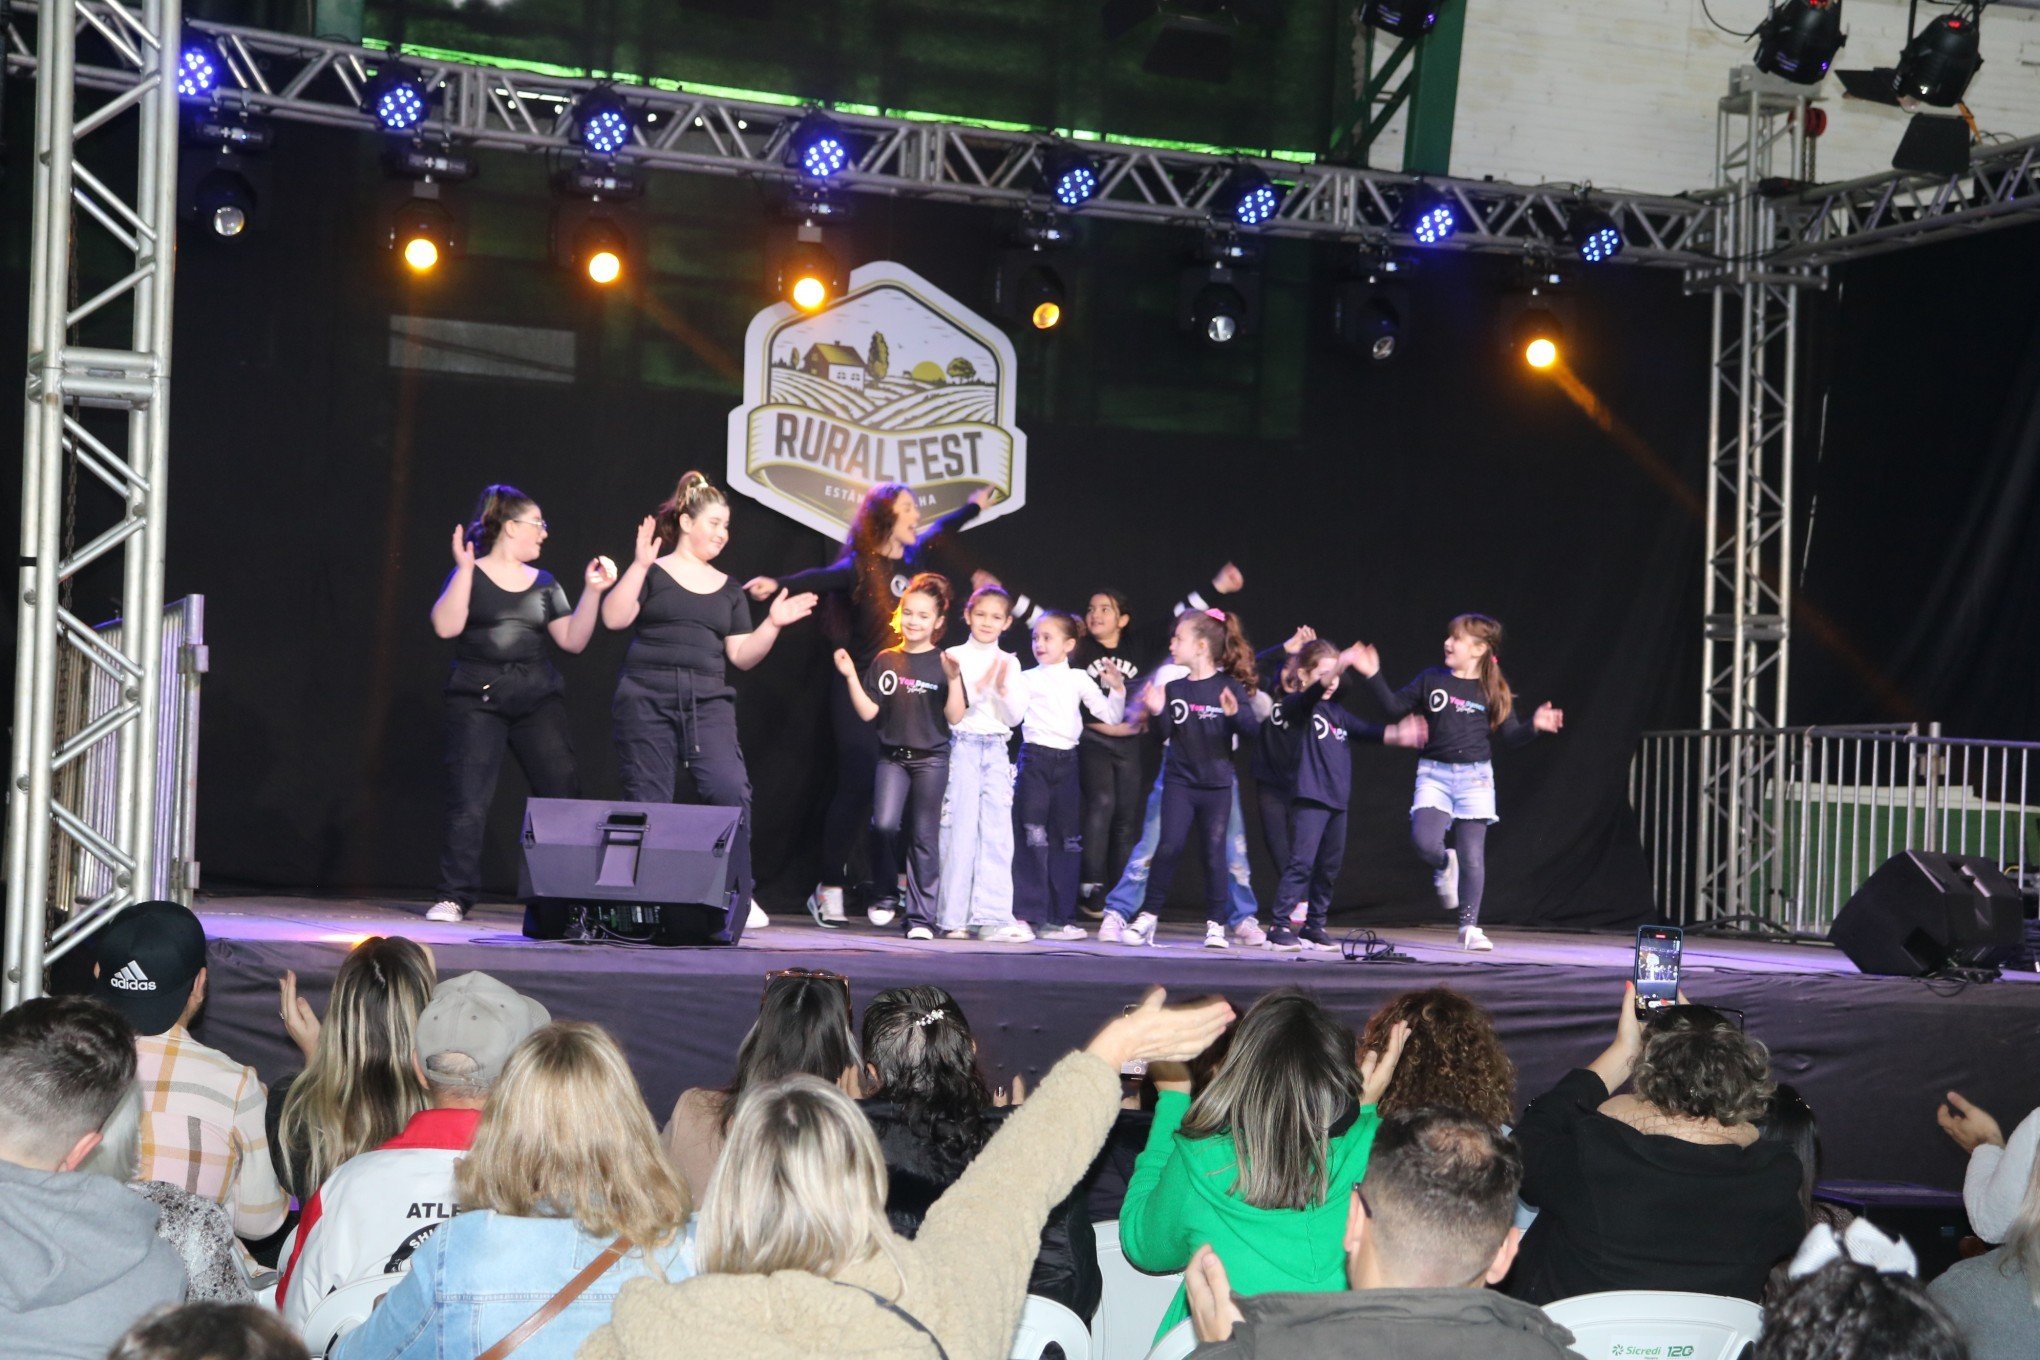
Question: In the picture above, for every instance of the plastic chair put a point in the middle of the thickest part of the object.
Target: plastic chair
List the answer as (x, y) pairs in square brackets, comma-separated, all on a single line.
[(1043, 1323), (1646, 1322), (341, 1311), (1132, 1303), (1175, 1343)]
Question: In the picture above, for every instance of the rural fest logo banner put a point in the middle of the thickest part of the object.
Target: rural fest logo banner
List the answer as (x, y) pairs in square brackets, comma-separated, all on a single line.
[(897, 382)]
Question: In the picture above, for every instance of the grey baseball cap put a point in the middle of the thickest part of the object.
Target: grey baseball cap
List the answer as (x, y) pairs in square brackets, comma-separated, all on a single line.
[(477, 1016)]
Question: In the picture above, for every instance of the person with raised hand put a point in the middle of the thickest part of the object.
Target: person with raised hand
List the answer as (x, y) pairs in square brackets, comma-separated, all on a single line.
[(1994, 1186)]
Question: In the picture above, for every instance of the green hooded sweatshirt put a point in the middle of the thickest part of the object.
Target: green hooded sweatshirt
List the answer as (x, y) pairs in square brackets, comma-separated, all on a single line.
[(1180, 1198)]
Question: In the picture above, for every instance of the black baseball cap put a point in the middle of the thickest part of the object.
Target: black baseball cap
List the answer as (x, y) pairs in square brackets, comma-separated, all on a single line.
[(149, 956)]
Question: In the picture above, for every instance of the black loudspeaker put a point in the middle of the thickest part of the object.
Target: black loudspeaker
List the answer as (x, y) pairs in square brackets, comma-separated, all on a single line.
[(667, 868), (1921, 912)]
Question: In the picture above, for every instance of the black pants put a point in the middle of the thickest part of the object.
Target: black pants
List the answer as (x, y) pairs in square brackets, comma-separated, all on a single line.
[(906, 824), (1115, 795), (1317, 850), (660, 727), (490, 708), (1206, 811), (848, 821), (1272, 801), (1047, 842), (1469, 837)]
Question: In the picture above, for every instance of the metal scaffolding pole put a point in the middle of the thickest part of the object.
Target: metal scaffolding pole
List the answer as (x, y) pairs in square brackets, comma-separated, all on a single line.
[(102, 253)]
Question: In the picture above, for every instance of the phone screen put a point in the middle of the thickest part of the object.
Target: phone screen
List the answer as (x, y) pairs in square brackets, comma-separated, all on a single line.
[(1657, 965)]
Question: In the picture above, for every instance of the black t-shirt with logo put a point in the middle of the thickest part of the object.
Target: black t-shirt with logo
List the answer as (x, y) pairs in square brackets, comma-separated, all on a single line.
[(1458, 714), (860, 594), (1094, 658), (1200, 733), (1325, 736), (1274, 759), (910, 689)]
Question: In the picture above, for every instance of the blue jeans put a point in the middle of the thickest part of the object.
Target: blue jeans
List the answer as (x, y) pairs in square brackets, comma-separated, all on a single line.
[(977, 835), (1125, 898)]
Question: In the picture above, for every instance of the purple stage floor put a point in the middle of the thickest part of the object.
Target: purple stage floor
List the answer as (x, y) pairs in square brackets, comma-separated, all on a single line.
[(1871, 1054)]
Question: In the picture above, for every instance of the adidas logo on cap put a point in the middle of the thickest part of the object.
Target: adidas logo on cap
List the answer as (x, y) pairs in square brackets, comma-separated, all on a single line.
[(131, 978)]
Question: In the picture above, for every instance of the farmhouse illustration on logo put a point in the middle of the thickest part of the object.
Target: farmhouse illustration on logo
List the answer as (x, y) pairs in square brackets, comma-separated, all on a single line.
[(897, 382)]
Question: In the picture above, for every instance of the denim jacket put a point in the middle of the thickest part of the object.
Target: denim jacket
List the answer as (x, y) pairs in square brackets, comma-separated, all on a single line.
[(475, 1279)]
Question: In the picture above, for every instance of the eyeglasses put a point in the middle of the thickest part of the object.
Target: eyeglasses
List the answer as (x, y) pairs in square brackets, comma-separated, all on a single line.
[(534, 523), (1697, 1015), (809, 975)]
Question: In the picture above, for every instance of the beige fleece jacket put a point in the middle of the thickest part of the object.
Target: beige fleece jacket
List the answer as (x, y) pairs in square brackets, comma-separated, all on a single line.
[(965, 1275)]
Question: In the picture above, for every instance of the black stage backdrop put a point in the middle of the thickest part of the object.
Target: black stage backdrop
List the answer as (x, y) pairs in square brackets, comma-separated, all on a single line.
[(316, 480)]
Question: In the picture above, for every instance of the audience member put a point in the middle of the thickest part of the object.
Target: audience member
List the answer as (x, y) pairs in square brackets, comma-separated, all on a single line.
[(202, 1112), (359, 1086), (195, 1227), (796, 1254), (1790, 1121), (1666, 1188), (1995, 1298), (1852, 1296), (79, 1256), (1454, 1060), (1426, 1232), (1258, 1164), (375, 1209), (1995, 1185), (565, 1175), (933, 1111), (211, 1331), (803, 1025)]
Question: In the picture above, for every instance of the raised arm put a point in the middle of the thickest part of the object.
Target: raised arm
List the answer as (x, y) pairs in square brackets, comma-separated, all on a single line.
[(865, 706), (450, 610), (1226, 581), (746, 650), (620, 606), (573, 632), (1107, 703), (840, 575), (955, 703)]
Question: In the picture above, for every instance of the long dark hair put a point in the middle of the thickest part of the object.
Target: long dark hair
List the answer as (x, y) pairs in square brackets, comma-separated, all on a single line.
[(694, 494), (1494, 687), (496, 506), (803, 1025), (1236, 658), (918, 1043), (871, 529)]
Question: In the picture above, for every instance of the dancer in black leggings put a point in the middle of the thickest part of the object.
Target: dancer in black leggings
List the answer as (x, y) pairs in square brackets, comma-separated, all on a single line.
[(504, 691), (914, 695), (1275, 753), (1467, 701), (886, 546), (674, 704)]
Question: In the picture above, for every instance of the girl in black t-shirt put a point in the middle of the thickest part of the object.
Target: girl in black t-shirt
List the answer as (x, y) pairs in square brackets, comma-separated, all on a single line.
[(674, 704), (913, 692), (504, 691)]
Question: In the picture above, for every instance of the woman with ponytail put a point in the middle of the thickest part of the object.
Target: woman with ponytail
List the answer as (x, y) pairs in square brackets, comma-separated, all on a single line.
[(1466, 701), (504, 690), (674, 704)]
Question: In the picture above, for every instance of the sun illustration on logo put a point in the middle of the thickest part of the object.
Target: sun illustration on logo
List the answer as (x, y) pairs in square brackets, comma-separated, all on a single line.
[(888, 681), (897, 382)]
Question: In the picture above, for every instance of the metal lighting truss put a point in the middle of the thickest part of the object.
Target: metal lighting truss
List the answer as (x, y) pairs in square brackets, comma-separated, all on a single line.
[(1830, 222), (103, 243)]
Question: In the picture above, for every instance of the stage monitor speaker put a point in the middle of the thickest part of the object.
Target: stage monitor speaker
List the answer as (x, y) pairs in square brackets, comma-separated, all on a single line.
[(1921, 912), (620, 859)]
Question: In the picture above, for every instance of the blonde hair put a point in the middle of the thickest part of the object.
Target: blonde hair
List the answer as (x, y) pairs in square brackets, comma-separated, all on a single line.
[(691, 497), (566, 1135), (360, 1088), (801, 1185)]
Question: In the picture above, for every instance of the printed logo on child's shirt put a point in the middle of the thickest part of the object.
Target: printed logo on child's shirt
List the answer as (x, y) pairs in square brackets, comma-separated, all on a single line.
[(890, 682), (1182, 711), (1323, 729), (1439, 699)]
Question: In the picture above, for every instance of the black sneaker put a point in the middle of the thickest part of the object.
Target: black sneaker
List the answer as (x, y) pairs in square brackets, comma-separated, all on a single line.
[(1314, 937), (1091, 902), (1282, 939)]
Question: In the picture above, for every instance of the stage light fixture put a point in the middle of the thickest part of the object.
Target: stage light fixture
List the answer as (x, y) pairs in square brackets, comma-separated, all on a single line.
[(1429, 216), (600, 251), (1539, 338), (1220, 301), (422, 234), (1070, 176), (1403, 18), (817, 148), (809, 275), (1027, 286), (1369, 315), (198, 68), (395, 97), (1594, 235), (225, 201), (602, 121), (1248, 197), (1800, 39), (222, 177), (1942, 58)]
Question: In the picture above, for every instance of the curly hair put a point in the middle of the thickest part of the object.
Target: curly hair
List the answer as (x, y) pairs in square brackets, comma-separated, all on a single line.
[(1454, 1059), (1698, 1065), (1847, 1311)]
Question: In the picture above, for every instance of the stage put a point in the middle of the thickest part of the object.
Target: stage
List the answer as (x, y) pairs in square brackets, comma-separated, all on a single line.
[(1871, 1054)]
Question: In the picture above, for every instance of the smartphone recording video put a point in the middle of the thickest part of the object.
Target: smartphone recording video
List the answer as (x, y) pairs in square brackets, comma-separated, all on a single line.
[(1657, 966)]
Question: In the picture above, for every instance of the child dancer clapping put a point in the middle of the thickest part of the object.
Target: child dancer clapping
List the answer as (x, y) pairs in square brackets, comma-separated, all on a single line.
[(977, 814)]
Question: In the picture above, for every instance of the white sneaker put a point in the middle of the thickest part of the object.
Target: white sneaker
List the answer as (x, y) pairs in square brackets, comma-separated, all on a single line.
[(1116, 929), (757, 920), (448, 910), (1063, 934), (1475, 939), (826, 906), (1214, 935), (1008, 932), (920, 933), (1446, 881), (1249, 933), (884, 913), (960, 933), (1299, 913)]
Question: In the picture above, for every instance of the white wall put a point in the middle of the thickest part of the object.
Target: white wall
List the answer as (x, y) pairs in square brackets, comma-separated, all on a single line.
[(1622, 93)]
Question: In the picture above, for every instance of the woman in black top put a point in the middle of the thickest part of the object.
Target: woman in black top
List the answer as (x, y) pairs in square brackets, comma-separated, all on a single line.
[(674, 703), (504, 690), (887, 545)]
